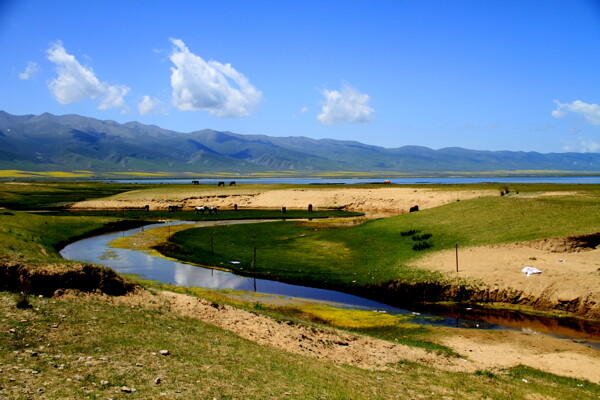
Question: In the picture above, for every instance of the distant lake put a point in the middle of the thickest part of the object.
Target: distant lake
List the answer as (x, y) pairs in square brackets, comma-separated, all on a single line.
[(405, 181)]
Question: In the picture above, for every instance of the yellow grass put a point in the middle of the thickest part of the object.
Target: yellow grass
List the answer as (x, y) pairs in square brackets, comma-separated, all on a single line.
[(14, 173)]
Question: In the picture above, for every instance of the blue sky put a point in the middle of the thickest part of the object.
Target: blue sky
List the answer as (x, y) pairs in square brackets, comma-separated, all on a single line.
[(520, 75)]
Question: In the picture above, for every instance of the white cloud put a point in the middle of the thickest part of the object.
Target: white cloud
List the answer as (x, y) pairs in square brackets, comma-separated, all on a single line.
[(347, 106), (150, 105), (210, 86), (591, 112), (114, 98), (76, 82), (583, 144), (30, 71)]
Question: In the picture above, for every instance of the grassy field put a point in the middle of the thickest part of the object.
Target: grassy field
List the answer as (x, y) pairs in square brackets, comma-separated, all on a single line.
[(91, 346), (37, 195), (88, 347), (380, 250)]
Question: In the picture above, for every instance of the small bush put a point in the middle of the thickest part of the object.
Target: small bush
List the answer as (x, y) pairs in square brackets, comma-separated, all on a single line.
[(409, 233), (23, 301), (422, 246), (425, 236)]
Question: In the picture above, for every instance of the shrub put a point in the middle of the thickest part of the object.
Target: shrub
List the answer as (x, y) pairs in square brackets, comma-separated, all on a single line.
[(410, 232), (422, 246), (425, 236)]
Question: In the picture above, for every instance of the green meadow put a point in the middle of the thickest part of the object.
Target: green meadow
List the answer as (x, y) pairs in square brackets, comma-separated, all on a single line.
[(90, 346), (381, 250)]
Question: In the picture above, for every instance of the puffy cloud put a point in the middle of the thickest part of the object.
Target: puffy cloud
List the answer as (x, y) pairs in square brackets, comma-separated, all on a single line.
[(30, 71), (210, 86), (583, 144), (348, 105), (150, 105), (591, 112), (76, 82), (114, 98)]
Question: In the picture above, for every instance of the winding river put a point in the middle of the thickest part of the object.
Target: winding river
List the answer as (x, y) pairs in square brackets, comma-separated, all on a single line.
[(97, 250)]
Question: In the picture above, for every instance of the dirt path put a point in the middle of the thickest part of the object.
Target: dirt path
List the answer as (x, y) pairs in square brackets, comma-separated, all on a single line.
[(480, 350)]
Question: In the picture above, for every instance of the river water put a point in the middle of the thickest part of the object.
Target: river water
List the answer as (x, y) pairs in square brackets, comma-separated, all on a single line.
[(98, 251)]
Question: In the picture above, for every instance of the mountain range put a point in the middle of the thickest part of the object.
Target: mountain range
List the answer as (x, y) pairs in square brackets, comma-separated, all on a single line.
[(48, 142)]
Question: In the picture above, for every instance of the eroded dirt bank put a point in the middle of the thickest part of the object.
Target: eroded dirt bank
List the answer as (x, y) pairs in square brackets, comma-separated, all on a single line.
[(47, 278), (569, 280), (480, 350)]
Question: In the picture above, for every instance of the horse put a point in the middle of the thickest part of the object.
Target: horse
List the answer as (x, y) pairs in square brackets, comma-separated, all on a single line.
[(196, 182), (387, 182), (172, 207), (146, 207), (232, 183), (413, 209), (221, 184), (202, 209)]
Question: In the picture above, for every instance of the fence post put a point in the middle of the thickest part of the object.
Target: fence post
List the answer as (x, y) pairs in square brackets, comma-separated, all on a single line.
[(457, 258)]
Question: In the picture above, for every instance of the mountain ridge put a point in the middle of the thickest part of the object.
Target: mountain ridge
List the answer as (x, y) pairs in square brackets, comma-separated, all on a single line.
[(48, 142)]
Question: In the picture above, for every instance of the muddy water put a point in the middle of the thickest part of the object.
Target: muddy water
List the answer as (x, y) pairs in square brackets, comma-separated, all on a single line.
[(97, 250)]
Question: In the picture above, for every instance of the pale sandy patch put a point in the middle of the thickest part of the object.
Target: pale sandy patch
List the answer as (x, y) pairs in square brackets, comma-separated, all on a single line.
[(566, 276), (388, 199)]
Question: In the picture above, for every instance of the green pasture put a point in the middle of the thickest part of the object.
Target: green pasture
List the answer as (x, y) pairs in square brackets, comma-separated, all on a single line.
[(37, 238), (36, 195), (85, 347), (377, 251)]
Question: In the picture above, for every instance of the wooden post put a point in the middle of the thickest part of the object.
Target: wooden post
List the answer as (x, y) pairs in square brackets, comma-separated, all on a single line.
[(457, 258)]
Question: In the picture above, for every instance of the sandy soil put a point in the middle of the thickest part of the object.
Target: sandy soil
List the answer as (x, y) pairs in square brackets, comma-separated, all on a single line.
[(480, 350), (388, 199), (569, 278)]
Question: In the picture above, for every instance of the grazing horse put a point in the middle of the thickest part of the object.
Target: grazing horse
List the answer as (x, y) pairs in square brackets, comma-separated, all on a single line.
[(146, 207), (196, 182), (387, 182), (413, 209), (172, 207), (202, 209), (232, 183), (221, 184)]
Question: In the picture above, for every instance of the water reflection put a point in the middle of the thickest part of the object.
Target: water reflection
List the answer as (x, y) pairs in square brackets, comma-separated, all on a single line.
[(96, 250)]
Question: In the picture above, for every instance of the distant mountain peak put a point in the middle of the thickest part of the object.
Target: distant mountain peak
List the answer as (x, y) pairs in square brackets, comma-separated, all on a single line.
[(50, 142)]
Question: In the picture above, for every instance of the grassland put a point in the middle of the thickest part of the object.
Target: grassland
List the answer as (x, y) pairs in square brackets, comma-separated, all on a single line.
[(377, 251), (90, 347), (97, 346)]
